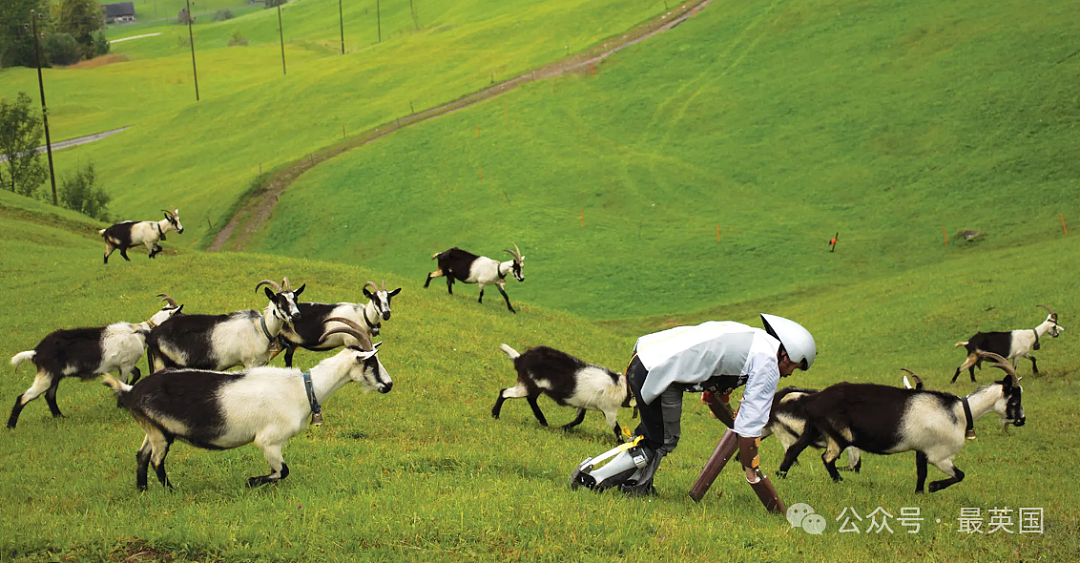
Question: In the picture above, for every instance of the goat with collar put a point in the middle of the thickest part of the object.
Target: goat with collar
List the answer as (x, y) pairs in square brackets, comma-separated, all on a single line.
[(887, 420), (466, 267), (127, 234), (308, 330), (1011, 345), (217, 342), (223, 410)]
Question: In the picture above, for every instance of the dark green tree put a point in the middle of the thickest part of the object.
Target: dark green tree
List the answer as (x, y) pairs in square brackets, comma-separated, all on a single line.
[(16, 44), (81, 18), (20, 135), (60, 49), (80, 192)]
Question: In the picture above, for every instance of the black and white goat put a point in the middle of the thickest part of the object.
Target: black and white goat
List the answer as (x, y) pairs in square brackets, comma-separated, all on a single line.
[(248, 338), (457, 264), (787, 421), (127, 234), (569, 381), (308, 330), (222, 410), (85, 353), (1011, 345), (887, 420)]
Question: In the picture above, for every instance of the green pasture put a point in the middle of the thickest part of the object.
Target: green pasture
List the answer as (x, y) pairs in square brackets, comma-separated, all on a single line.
[(202, 156), (776, 124), (423, 473)]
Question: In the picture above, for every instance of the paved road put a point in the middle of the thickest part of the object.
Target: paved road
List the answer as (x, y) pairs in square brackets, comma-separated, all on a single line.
[(76, 141)]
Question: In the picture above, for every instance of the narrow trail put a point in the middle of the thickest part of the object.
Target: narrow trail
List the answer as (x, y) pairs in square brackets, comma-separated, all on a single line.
[(260, 204)]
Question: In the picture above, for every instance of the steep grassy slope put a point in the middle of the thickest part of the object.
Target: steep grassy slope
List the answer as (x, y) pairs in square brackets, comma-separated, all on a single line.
[(778, 123), (201, 156), (423, 473)]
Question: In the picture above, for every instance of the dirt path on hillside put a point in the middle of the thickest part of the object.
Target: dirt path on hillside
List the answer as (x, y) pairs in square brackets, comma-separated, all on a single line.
[(260, 204)]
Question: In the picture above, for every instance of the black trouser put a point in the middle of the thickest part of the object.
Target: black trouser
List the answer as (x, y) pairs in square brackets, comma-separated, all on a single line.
[(661, 419)]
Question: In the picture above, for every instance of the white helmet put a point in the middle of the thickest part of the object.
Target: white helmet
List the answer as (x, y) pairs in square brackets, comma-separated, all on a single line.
[(797, 341)]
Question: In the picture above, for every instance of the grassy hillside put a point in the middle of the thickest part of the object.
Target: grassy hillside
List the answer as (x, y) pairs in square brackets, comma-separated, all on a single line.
[(423, 473), (201, 156), (780, 123)]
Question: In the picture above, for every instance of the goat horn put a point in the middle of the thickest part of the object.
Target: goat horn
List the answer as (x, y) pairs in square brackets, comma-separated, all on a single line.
[(1001, 364), (165, 297), (384, 285), (513, 254), (518, 250), (167, 212), (285, 282), (1051, 311), (918, 380), (272, 284), (352, 329), (373, 286)]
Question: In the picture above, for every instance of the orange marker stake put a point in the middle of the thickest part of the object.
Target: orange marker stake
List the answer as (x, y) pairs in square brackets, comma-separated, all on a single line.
[(477, 131), (592, 70), (507, 111), (945, 235), (582, 217), (1063, 224)]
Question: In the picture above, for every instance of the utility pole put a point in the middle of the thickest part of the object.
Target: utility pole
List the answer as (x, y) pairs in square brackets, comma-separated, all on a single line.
[(44, 111), (341, 18), (191, 39), (281, 34), (378, 19)]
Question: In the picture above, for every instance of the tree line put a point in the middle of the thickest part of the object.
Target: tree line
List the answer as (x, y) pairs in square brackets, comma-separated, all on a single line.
[(73, 30)]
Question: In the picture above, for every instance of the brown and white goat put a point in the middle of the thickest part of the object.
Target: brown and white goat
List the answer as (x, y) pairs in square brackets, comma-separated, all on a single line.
[(127, 234)]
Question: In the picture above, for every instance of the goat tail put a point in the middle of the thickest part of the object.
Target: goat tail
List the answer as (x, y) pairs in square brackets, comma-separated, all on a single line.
[(118, 387), (22, 357), (513, 354), (101, 232), (959, 344)]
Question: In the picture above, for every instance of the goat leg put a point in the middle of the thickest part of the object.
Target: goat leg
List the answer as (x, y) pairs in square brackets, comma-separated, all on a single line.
[(920, 471), (536, 410), (578, 420)]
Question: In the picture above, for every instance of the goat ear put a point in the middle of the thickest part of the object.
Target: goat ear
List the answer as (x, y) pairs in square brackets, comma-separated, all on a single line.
[(367, 294), (297, 292), (269, 294), (376, 345), (393, 293), (178, 309), (365, 355)]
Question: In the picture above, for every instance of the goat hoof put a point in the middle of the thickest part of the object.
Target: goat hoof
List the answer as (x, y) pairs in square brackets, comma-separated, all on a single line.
[(781, 474), (934, 487), (837, 479)]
